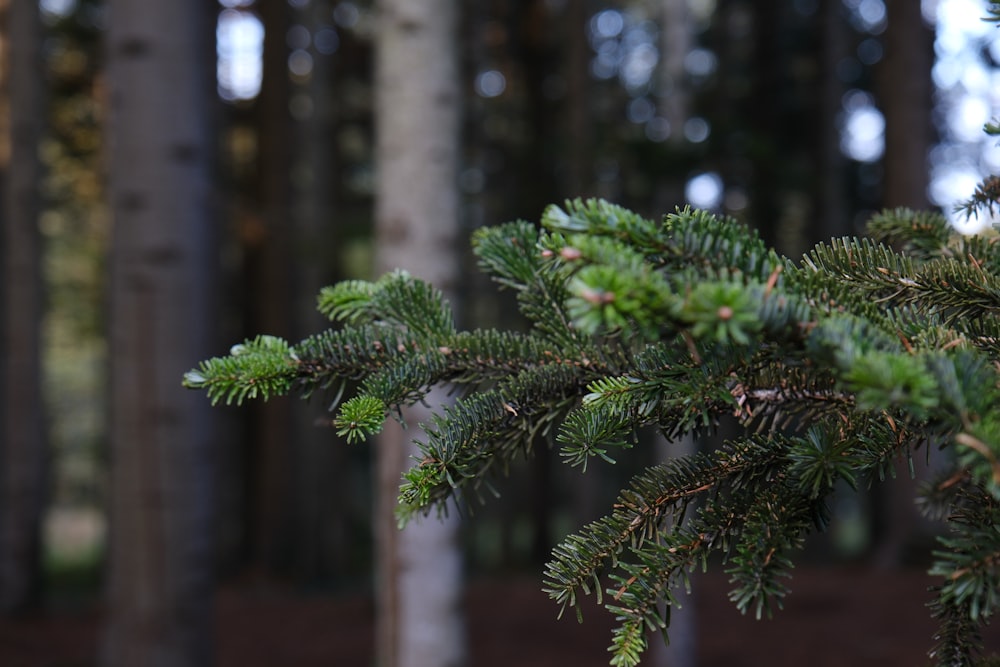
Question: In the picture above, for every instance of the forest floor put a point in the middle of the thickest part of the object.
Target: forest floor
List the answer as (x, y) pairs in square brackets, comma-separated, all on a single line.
[(833, 617)]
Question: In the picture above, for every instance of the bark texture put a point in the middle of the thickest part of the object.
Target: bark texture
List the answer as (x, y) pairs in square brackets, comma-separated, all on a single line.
[(416, 217), (161, 547), (23, 448)]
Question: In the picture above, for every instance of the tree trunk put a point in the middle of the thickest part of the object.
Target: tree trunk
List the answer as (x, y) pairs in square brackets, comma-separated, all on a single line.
[(906, 97), (416, 218), (765, 120), (160, 551), (23, 448), (321, 474), (832, 196), (677, 39), (579, 122), (269, 279)]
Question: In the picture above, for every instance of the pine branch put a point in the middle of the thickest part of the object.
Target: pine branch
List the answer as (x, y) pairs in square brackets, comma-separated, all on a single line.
[(397, 299), (968, 563), (923, 235), (598, 218), (870, 269), (465, 358), (262, 367), (468, 440), (661, 492), (982, 250), (714, 244), (983, 334), (586, 433), (986, 196), (512, 254), (332, 357), (836, 366), (958, 639), (776, 523), (778, 396)]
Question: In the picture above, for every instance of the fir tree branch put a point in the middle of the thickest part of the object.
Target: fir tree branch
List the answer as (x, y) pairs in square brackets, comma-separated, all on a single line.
[(512, 254), (661, 492), (967, 563), (986, 196), (487, 428), (261, 367), (922, 234), (842, 362)]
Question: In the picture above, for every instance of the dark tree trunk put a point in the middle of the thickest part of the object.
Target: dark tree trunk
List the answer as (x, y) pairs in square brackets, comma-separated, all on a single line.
[(23, 447), (905, 95), (832, 196), (579, 122), (269, 283), (322, 478)]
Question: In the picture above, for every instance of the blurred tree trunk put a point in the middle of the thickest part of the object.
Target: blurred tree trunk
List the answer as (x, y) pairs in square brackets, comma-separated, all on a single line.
[(416, 225), (270, 308), (588, 502), (832, 196), (676, 32), (905, 94), (161, 80), (580, 124), (906, 97), (23, 448), (765, 120), (320, 471), (677, 37), (537, 56), (537, 187)]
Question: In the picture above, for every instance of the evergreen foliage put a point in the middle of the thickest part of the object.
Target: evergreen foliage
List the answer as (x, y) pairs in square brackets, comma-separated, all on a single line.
[(836, 366)]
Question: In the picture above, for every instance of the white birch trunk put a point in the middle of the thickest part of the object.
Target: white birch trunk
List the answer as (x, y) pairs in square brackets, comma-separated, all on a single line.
[(417, 207)]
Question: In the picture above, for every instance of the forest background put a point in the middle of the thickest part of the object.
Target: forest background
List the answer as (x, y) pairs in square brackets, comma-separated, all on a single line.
[(799, 117)]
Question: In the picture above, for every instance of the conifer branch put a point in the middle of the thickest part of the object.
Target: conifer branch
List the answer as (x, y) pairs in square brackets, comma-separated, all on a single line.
[(835, 366), (986, 196)]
